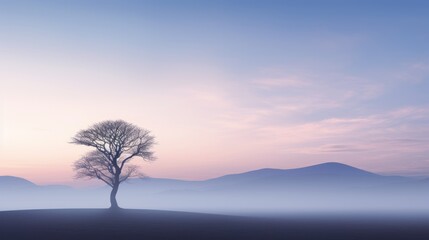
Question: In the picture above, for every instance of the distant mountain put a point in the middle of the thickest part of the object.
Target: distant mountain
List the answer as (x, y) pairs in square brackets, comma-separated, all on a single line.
[(10, 182), (329, 168), (330, 175), (324, 171), (19, 193), (324, 186), (20, 184)]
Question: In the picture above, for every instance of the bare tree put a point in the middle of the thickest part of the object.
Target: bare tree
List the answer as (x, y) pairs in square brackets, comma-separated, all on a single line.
[(116, 143)]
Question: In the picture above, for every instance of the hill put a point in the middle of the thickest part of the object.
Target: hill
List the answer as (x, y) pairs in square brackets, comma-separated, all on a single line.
[(10, 182), (322, 187), (327, 176), (90, 224)]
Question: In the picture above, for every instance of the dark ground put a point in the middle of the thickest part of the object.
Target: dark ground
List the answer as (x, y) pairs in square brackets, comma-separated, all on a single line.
[(93, 224)]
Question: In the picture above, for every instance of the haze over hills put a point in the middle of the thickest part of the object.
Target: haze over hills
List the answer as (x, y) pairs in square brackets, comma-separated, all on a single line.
[(14, 183), (329, 173), (327, 186)]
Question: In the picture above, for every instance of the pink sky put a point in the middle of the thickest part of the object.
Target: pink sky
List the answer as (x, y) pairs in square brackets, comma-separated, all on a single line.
[(224, 88)]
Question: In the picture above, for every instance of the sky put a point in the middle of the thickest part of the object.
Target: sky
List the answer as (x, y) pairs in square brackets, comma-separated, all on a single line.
[(224, 86)]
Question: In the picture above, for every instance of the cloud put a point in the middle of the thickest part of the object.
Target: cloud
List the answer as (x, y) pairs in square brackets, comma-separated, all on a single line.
[(312, 92), (398, 131), (413, 73), (312, 117), (341, 148), (403, 131), (282, 82)]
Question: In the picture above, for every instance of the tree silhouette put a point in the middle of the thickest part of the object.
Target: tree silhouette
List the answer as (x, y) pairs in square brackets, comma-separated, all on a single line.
[(115, 144)]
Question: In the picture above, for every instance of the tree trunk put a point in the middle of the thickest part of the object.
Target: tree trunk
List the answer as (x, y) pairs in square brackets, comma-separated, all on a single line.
[(113, 202)]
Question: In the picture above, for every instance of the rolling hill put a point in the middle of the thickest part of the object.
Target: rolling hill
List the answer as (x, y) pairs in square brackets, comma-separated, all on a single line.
[(324, 186), (15, 183)]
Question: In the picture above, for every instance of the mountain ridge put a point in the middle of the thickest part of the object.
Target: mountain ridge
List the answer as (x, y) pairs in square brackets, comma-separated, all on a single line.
[(323, 186), (326, 168), (13, 181)]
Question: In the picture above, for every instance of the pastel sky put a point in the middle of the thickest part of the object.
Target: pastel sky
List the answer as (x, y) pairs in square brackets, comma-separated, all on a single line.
[(225, 86)]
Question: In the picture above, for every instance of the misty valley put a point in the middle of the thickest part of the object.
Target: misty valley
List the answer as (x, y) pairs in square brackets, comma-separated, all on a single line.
[(327, 187)]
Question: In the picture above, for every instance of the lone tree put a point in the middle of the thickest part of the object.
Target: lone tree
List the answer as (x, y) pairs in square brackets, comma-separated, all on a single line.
[(115, 144)]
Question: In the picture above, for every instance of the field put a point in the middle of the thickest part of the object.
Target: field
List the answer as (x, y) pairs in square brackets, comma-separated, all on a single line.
[(152, 224)]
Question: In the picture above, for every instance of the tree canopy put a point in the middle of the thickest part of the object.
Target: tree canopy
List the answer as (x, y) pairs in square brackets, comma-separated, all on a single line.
[(115, 144)]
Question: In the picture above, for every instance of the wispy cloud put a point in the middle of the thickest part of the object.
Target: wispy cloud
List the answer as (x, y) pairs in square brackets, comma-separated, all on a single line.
[(341, 148), (309, 117), (413, 73), (280, 82)]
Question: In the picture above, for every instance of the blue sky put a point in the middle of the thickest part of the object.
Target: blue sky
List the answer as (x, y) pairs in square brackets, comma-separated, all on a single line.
[(226, 86)]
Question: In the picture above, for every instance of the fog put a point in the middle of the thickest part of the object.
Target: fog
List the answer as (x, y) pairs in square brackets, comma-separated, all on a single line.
[(329, 187)]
